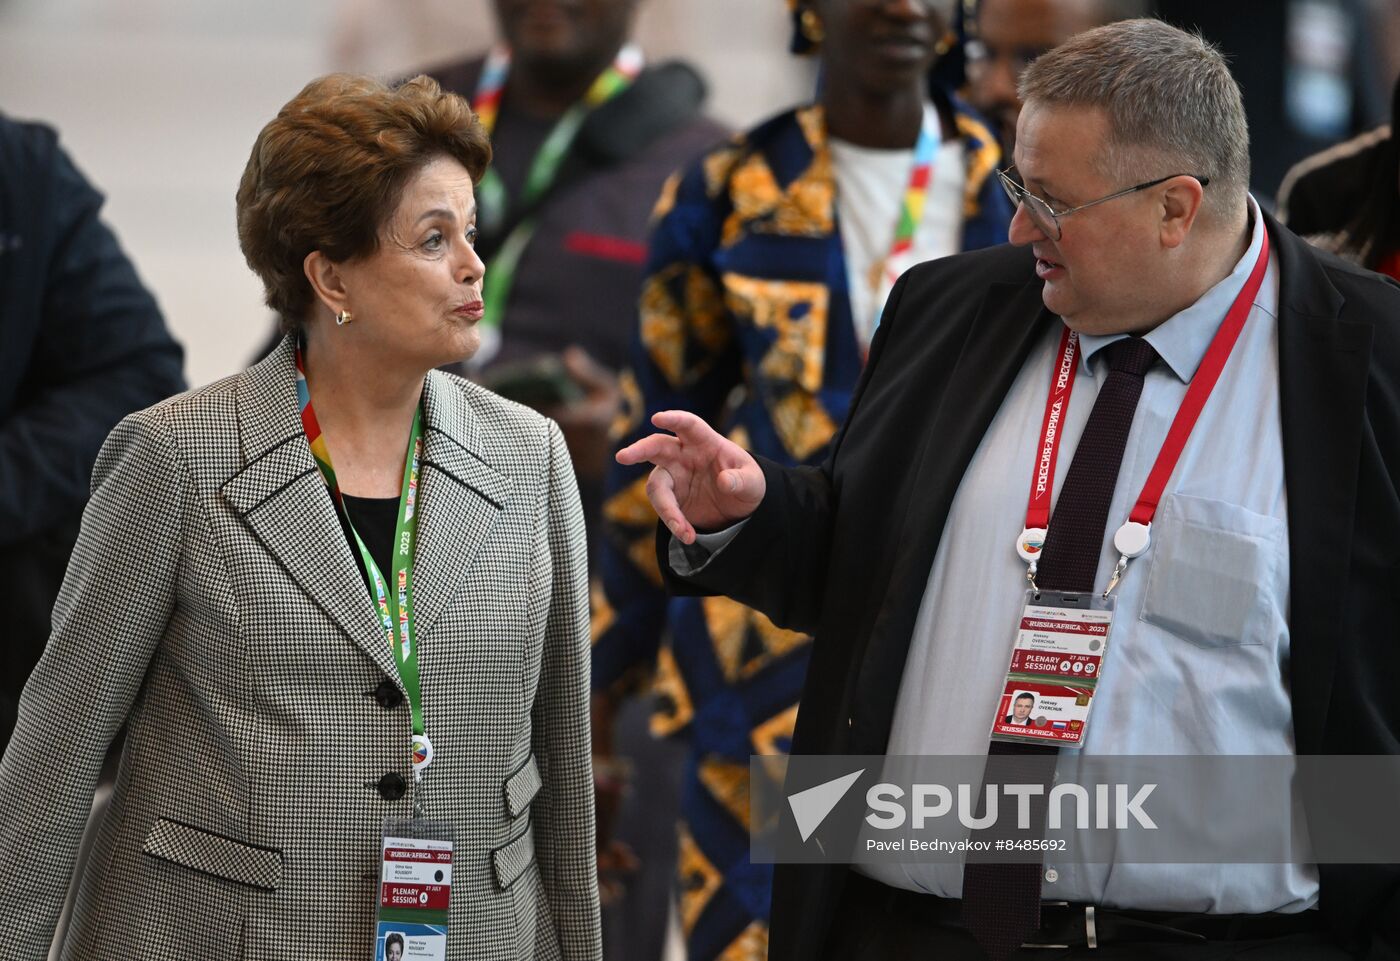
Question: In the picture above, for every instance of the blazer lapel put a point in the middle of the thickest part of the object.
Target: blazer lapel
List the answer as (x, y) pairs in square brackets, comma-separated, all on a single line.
[(998, 340), (460, 500), (280, 495), (1323, 374)]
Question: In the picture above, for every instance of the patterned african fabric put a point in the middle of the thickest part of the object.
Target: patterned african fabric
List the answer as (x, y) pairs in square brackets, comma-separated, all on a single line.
[(745, 319)]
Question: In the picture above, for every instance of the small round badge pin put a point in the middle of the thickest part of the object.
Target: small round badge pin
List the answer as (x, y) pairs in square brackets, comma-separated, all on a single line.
[(422, 752)]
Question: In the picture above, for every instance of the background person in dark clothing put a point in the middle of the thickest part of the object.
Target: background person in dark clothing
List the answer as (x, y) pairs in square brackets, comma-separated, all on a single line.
[(1347, 199), (564, 245), (1311, 71), (564, 220), (82, 344)]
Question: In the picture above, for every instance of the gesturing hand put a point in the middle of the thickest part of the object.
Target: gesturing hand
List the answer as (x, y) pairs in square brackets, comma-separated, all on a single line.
[(701, 479)]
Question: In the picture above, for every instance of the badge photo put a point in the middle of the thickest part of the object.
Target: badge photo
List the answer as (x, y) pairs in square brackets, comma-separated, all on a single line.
[(401, 941), (1035, 711)]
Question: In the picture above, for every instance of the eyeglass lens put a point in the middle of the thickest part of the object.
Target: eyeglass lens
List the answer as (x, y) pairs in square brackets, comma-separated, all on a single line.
[(1036, 208)]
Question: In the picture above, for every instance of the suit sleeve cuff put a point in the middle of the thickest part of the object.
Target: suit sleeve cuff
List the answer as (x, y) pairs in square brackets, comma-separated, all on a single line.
[(687, 560)]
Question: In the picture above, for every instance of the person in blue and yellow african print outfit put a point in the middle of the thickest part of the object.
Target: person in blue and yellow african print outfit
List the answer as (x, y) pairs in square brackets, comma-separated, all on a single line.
[(769, 262)]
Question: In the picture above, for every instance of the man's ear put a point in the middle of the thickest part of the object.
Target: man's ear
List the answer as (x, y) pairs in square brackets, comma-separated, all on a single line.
[(1181, 204), (327, 280)]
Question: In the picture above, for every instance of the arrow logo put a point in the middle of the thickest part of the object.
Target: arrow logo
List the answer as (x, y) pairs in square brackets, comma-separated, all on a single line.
[(810, 807)]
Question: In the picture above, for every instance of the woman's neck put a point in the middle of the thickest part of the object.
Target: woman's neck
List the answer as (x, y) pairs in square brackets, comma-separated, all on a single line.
[(883, 122), (365, 409)]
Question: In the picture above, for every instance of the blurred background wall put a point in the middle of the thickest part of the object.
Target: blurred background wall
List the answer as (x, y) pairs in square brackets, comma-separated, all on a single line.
[(159, 101)]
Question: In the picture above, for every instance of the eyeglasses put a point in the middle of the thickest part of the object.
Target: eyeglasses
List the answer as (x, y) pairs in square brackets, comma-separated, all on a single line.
[(1047, 218)]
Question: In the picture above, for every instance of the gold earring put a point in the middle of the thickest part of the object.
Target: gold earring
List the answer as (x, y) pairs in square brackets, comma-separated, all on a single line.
[(343, 318), (947, 42), (812, 26)]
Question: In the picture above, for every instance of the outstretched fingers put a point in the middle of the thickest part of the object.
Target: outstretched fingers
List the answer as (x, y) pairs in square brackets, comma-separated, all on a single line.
[(661, 491), (687, 430), (657, 449), (688, 427)]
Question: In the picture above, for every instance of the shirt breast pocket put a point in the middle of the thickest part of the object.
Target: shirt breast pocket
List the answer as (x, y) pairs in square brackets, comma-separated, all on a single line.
[(1218, 575)]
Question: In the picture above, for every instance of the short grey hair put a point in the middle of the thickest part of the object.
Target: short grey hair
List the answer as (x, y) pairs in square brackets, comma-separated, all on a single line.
[(1169, 96)]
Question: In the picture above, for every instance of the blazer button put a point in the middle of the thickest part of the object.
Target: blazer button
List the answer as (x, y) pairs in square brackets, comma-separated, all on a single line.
[(391, 787), (388, 695)]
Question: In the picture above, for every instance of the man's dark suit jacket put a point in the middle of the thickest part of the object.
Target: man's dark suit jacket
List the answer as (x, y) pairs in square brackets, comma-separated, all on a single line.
[(843, 551), (82, 344)]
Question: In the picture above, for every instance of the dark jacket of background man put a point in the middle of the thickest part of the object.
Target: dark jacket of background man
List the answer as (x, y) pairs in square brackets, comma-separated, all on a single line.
[(579, 278), (82, 344), (1312, 73)]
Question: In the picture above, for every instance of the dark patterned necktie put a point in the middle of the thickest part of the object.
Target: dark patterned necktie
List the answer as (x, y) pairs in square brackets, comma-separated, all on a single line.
[(1001, 902)]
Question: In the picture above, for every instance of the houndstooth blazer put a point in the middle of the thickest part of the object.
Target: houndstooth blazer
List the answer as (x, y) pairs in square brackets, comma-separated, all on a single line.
[(213, 607)]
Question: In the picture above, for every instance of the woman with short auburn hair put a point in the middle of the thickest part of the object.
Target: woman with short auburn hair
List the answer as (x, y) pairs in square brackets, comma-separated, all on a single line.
[(333, 593), (328, 171)]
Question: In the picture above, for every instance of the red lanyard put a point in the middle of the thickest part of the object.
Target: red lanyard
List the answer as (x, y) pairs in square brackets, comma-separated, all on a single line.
[(1132, 538)]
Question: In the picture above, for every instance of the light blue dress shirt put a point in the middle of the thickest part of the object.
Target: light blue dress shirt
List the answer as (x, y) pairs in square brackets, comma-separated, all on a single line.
[(1198, 659)]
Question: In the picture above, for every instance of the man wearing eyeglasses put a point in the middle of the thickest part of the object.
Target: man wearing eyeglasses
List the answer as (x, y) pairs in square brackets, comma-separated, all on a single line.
[(1205, 414)]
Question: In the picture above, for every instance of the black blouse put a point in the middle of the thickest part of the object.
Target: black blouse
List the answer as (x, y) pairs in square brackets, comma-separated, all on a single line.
[(376, 519)]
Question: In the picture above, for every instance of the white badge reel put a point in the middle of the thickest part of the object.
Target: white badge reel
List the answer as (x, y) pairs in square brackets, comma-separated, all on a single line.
[(1030, 544), (422, 754), (1131, 540)]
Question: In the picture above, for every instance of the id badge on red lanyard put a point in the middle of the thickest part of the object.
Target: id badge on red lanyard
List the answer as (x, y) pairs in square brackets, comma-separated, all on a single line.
[(1062, 637), (1061, 643)]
